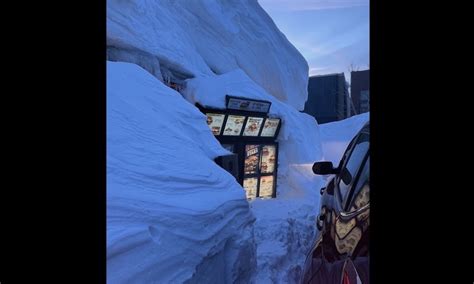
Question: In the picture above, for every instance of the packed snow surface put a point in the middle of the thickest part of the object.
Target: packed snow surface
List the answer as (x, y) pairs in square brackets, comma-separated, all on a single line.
[(206, 37), (172, 213)]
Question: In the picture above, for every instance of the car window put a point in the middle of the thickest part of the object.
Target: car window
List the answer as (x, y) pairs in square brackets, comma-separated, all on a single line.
[(347, 152), (352, 165), (362, 189)]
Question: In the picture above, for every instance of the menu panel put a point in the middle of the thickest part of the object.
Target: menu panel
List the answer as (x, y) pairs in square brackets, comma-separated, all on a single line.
[(266, 186), (234, 125), (252, 156), (215, 121), (253, 126), (267, 165), (250, 186), (270, 127)]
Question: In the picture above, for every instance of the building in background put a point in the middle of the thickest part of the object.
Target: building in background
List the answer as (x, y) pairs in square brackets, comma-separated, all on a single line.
[(328, 98), (360, 81)]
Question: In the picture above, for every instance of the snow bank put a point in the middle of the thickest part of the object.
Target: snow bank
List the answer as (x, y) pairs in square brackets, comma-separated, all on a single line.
[(173, 215), (208, 37), (337, 135)]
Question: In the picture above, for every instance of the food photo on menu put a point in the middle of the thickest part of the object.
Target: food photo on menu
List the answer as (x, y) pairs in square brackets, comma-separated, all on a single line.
[(268, 159), (270, 127), (266, 186), (250, 186), (253, 126), (251, 159), (234, 125), (215, 121)]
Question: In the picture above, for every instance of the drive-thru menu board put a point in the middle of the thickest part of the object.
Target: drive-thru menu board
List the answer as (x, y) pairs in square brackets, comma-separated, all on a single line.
[(246, 129)]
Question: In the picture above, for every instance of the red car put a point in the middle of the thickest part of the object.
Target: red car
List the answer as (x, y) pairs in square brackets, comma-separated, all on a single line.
[(341, 252)]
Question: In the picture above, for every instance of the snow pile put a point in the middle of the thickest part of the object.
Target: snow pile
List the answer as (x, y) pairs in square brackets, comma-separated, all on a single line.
[(173, 215), (199, 38), (337, 135), (285, 226)]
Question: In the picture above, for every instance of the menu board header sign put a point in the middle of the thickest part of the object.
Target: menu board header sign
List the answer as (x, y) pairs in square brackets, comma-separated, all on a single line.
[(247, 104)]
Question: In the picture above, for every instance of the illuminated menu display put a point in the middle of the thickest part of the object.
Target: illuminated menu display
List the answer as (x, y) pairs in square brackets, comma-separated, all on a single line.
[(267, 166), (215, 122), (252, 156), (270, 127), (252, 126), (250, 186), (266, 186), (234, 124)]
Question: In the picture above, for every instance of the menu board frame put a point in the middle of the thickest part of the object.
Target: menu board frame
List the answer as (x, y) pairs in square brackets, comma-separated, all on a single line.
[(239, 142)]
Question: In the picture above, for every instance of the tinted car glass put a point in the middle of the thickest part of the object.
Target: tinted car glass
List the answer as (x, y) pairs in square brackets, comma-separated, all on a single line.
[(349, 171), (362, 189)]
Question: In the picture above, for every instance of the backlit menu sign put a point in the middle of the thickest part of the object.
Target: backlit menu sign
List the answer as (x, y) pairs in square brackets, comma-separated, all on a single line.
[(252, 127), (267, 166), (234, 124), (250, 185), (215, 121), (266, 186), (252, 157), (270, 127), (260, 170)]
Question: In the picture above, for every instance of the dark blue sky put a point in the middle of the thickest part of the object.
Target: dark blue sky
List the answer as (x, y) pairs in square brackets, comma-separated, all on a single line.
[(331, 34)]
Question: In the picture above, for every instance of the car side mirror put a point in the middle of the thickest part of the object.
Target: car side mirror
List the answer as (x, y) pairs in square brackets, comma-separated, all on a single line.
[(324, 168)]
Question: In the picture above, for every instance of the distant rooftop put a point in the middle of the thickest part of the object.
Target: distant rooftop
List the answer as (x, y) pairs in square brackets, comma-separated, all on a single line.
[(327, 75)]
